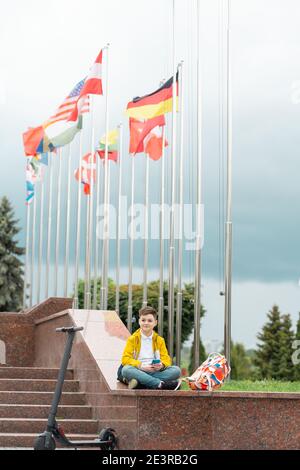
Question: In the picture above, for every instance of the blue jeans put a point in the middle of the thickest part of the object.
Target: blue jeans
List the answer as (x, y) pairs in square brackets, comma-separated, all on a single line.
[(151, 379)]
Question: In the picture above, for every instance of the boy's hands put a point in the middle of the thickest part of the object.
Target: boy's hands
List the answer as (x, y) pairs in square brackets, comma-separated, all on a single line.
[(149, 368), (152, 367), (158, 366)]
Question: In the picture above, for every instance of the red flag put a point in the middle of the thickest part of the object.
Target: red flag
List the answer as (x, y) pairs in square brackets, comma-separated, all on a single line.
[(111, 155), (32, 139), (88, 171), (92, 86), (139, 130), (153, 143)]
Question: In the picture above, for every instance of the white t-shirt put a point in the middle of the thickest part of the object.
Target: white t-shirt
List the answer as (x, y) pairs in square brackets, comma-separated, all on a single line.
[(146, 355)]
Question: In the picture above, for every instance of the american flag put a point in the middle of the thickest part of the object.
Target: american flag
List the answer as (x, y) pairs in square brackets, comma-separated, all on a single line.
[(70, 103)]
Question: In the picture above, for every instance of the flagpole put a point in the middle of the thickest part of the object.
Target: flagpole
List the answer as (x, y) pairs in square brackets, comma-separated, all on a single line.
[(129, 314), (89, 218), (67, 238), (228, 242), (32, 251), (179, 288), (95, 289), (78, 220), (26, 254), (39, 274), (146, 231), (119, 221), (107, 238), (57, 240), (161, 239), (50, 163), (103, 295), (197, 295), (172, 218)]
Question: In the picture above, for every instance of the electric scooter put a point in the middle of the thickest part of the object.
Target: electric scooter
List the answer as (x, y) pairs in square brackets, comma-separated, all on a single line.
[(107, 439)]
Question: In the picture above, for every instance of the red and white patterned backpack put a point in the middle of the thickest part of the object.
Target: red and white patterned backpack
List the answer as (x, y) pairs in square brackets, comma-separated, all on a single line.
[(211, 374)]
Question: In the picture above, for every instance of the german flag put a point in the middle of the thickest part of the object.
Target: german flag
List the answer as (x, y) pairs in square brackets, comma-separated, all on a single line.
[(155, 104)]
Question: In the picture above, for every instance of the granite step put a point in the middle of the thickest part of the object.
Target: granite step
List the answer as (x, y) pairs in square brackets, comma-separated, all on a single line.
[(21, 440), (36, 385), (22, 425), (42, 411), (41, 398), (117, 412), (31, 373), (126, 430)]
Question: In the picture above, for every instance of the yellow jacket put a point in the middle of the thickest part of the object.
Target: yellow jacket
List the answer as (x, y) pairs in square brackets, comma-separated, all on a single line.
[(133, 347)]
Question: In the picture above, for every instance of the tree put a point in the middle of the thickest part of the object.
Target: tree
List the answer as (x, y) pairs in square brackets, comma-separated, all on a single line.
[(274, 357), (296, 352), (286, 338), (241, 362), (153, 295), (11, 272), (267, 357)]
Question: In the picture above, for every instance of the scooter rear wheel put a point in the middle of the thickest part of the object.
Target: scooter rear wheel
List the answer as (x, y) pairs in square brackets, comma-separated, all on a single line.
[(40, 443), (108, 434)]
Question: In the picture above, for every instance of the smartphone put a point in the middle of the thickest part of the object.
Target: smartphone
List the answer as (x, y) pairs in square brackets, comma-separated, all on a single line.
[(156, 361)]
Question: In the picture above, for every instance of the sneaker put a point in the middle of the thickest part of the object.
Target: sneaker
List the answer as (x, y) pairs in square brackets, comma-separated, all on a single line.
[(133, 383), (170, 385)]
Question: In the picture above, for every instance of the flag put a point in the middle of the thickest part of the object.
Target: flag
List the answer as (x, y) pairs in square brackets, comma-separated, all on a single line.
[(91, 86), (64, 111), (29, 192), (88, 171), (153, 143), (155, 104), (57, 136), (112, 146), (139, 130), (33, 174), (112, 140), (31, 139), (111, 155), (42, 158)]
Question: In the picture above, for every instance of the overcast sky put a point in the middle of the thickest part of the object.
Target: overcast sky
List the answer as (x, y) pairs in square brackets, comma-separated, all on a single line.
[(47, 47)]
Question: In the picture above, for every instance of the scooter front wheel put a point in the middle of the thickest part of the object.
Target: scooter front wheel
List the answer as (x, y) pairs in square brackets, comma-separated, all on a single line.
[(44, 442), (108, 434)]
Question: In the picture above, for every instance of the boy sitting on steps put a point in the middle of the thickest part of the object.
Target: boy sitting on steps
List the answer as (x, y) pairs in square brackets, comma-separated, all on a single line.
[(144, 346)]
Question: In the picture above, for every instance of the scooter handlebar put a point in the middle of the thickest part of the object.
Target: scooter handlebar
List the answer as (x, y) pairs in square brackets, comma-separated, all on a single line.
[(69, 329)]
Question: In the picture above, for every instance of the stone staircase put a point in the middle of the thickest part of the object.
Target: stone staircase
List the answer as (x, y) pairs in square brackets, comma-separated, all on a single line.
[(25, 399)]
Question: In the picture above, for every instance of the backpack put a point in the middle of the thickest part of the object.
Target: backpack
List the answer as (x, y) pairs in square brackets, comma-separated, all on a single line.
[(211, 374)]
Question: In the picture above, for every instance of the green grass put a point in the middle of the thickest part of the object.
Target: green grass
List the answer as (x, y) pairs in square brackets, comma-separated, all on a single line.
[(256, 386)]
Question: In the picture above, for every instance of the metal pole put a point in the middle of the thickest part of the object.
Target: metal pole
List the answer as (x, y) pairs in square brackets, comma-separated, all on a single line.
[(146, 231), (50, 164), (129, 314), (119, 221), (103, 296), (57, 240), (172, 218), (89, 227), (78, 220), (228, 242), (95, 289), (197, 304), (161, 239), (32, 251), (67, 238), (26, 255), (107, 238), (39, 274), (180, 252)]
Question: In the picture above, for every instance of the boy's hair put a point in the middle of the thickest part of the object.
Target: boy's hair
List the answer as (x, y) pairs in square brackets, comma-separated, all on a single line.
[(147, 311)]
